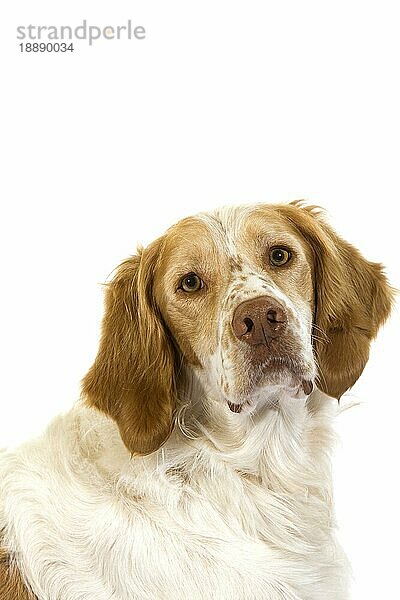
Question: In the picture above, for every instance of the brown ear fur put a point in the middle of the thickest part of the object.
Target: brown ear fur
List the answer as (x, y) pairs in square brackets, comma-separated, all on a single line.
[(352, 300), (12, 585), (132, 378)]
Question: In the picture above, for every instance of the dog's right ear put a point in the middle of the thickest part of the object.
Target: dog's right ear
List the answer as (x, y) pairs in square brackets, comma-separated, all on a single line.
[(133, 377)]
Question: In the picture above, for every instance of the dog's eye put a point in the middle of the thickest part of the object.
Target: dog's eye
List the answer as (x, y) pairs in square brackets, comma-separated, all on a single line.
[(279, 256), (191, 283)]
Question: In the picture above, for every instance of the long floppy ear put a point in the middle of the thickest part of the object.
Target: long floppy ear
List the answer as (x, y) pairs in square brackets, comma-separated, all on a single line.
[(352, 300), (133, 377)]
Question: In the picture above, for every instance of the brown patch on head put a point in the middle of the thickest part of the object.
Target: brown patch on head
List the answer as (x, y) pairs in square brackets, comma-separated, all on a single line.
[(133, 377), (266, 228), (12, 586), (352, 299), (192, 246)]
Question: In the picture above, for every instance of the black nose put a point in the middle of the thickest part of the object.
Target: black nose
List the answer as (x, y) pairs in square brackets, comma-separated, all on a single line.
[(259, 320)]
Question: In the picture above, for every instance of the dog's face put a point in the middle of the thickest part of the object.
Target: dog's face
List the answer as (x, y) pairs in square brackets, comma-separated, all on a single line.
[(235, 290), (257, 301)]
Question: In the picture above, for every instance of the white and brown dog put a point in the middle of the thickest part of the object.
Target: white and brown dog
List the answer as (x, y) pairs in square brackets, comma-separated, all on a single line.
[(197, 463)]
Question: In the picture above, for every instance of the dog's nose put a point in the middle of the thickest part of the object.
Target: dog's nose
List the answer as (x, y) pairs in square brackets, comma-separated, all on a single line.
[(259, 320)]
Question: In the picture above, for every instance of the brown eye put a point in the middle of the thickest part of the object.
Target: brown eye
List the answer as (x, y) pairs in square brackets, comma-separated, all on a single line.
[(279, 256), (191, 283)]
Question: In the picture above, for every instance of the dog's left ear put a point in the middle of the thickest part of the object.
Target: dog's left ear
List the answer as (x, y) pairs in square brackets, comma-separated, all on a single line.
[(352, 300), (133, 377)]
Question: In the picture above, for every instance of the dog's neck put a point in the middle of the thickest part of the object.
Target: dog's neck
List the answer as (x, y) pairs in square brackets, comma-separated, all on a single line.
[(279, 446)]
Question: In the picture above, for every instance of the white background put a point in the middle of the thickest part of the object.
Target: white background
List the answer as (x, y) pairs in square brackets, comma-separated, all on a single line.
[(223, 102)]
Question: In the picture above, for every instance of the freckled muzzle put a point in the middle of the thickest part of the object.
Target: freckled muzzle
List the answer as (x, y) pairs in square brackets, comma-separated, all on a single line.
[(262, 323)]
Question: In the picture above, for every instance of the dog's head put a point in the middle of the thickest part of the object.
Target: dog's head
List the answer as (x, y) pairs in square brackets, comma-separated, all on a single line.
[(257, 301)]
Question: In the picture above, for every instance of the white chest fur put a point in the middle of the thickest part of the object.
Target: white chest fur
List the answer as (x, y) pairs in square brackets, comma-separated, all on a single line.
[(244, 515)]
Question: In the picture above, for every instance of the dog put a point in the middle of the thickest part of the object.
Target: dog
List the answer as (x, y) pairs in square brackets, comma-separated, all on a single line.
[(196, 464)]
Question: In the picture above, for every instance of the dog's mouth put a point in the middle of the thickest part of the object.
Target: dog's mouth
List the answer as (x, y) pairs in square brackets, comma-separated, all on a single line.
[(308, 386), (283, 370), (237, 408)]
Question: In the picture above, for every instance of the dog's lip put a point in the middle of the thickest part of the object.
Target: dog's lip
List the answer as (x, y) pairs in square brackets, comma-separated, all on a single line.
[(236, 408), (296, 368), (308, 386)]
